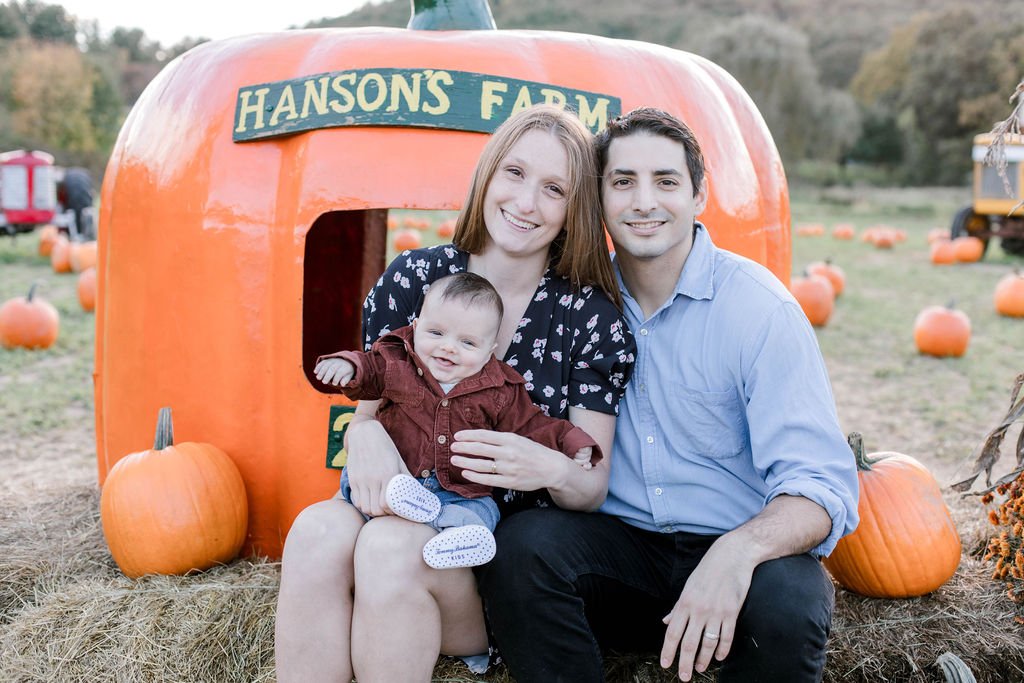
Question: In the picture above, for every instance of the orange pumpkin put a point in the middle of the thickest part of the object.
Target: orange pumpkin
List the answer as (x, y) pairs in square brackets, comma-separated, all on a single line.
[(830, 272), (816, 297), (407, 239), (48, 234), (87, 289), (942, 331), (82, 255), (446, 229), (174, 508), (392, 223), (938, 235), (943, 253), (60, 255), (843, 231), (29, 322), (285, 235), (884, 238), (968, 249), (906, 543), (810, 230), (1009, 295)]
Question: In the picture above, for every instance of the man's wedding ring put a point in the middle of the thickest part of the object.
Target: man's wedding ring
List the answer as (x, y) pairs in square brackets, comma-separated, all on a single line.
[(710, 636)]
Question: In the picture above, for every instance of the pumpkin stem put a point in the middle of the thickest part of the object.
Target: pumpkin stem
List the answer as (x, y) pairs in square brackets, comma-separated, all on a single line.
[(954, 670), (952, 304), (164, 430), (31, 291), (856, 442), (451, 15)]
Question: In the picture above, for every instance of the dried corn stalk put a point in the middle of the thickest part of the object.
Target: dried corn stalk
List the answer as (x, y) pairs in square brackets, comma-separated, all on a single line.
[(990, 449)]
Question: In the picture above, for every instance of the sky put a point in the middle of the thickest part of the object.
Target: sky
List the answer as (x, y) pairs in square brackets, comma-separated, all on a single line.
[(170, 21)]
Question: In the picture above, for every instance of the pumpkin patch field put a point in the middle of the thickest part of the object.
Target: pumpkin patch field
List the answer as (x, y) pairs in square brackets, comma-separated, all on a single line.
[(67, 613)]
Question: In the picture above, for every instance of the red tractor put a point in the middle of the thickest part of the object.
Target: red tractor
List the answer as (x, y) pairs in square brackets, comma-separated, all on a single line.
[(34, 192)]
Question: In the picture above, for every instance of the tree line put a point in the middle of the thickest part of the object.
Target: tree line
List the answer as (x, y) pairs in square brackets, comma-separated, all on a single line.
[(64, 87), (872, 89)]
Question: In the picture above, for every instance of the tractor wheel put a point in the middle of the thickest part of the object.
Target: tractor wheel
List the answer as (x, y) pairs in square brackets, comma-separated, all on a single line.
[(966, 222), (1013, 245)]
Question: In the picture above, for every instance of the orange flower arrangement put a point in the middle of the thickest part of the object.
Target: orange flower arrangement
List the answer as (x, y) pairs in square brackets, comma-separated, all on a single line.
[(1007, 547)]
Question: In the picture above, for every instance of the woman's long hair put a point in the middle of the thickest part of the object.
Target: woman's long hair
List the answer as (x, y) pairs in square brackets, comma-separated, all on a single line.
[(580, 252)]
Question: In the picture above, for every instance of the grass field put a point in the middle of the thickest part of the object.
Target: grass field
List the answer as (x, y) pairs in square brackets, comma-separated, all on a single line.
[(52, 561)]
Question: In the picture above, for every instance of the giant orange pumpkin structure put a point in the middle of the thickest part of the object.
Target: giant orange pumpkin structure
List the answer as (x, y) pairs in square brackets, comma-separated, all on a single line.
[(269, 162)]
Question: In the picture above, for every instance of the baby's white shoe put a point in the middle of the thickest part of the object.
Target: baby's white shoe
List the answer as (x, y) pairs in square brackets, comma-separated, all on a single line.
[(460, 546), (408, 498)]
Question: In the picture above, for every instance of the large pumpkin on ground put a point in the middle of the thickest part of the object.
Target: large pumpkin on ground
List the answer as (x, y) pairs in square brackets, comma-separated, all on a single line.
[(816, 297), (254, 256), (942, 331), (1008, 298), (968, 249), (831, 272), (943, 252), (175, 508), (87, 289), (29, 322), (906, 543)]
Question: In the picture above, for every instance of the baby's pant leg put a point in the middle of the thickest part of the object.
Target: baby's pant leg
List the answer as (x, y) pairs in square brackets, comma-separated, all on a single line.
[(459, 511)]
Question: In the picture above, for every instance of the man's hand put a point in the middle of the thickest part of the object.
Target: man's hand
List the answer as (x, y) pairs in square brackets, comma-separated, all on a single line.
[(335, 371), (703, 622)]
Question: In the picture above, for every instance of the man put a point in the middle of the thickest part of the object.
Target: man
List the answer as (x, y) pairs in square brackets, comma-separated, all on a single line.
[(730, 476)]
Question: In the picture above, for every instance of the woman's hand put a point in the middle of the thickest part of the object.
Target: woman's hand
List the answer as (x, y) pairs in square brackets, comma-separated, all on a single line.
[(509, 461), (372, 461)]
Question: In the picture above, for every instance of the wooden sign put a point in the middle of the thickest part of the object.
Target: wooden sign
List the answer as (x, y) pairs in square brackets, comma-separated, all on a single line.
[(419, 98)]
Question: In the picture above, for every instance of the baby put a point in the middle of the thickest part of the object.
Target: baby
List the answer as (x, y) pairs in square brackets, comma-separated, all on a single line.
[(435, 378)]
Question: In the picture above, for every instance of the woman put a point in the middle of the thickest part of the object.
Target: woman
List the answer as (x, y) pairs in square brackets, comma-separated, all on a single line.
[(356, 597)]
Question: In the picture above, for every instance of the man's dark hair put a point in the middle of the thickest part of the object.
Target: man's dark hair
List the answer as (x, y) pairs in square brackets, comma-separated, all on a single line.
[(653, 122), (468, 288)]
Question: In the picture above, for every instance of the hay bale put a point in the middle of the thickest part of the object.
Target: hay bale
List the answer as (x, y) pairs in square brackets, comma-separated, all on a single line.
[(900, 640), (48, 538), (68, 614), (217, 626)]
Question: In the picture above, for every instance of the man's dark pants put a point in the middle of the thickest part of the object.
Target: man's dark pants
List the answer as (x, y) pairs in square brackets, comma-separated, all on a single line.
[(566, 586)]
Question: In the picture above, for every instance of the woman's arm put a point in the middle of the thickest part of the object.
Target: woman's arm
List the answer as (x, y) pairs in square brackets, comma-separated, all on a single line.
[(510, 461), (372, 460), (588, 491)]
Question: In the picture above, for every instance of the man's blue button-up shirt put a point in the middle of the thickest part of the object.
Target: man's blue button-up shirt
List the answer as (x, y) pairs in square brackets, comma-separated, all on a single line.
[(729, 406)]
